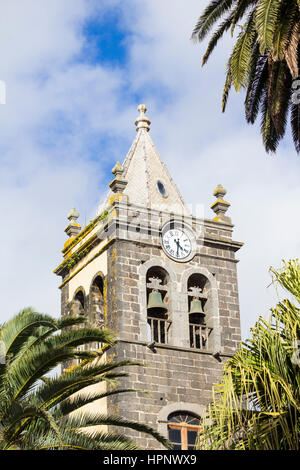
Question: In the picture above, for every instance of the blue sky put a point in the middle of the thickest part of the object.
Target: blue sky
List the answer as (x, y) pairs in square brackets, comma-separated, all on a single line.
[(75, 72), (106, 39)]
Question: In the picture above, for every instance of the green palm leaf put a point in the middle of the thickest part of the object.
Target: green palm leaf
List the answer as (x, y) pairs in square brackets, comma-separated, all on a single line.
[(241, 56), (283, 31), (257, 404), (279, 92), (271, 34), (239, 11), (266, 15), (228, 85), (16, 331), (84, 420), (38, 411), (295, 124), (212, 13)]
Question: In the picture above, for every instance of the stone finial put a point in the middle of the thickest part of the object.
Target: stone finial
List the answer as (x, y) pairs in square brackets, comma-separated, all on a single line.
[(220, 192), (117, 169), (73, 215), (142, 121), (220, 206), (118, 184), (73, 227)]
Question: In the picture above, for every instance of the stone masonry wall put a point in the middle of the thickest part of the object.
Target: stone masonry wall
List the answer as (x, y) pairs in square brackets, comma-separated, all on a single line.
[(124, 305), (173, 374)]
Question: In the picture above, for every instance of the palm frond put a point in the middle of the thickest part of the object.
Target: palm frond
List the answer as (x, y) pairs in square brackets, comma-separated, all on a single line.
[(35, 409), (268, 130), (224, 26), (279, 92), (227, 85), (291, 51), (84, 420), (59, 389), (266, 15), (239, 11), (77, 402), (16, 331), (271, 33), (295, 125), (257, 404), (212, 13), (242, 52), (284, 29), (75, 440)]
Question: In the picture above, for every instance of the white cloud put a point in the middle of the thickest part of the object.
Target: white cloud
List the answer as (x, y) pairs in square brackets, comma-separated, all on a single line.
[(204, 147), (56, 109)]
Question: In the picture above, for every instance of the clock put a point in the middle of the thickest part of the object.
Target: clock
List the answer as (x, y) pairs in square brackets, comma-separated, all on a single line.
[(177, 243)]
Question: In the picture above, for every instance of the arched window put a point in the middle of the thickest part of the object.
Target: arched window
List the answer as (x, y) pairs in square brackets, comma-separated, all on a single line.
[(79, 303), (183, 429), (198, 294), (78, 308), (96, 316), (158, 317)]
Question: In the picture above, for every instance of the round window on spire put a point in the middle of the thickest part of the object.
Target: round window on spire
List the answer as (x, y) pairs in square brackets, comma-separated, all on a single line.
[(161, 188)]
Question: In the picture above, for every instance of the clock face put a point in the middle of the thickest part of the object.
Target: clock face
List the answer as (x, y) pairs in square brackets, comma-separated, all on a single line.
[(176, 243)]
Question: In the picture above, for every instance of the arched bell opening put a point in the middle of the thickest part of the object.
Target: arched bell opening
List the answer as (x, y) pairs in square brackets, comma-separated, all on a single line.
[(78, 307), (97, 305), (158, 321), (198, 288)]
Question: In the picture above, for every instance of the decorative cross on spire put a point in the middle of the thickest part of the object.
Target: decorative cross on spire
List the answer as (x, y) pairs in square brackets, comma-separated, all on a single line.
[(142, 121)]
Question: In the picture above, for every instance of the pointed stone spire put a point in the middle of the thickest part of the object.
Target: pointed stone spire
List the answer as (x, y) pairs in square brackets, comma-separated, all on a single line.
[(148, 182), (73, 227), (220, 206), (142, 121)]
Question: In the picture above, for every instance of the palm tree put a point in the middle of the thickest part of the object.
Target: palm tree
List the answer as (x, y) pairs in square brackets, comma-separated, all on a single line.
[(43, 410), (257, 404), (264, 60)]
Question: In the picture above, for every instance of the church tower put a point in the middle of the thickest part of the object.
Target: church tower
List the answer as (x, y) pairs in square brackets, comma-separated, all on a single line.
[(165, 282)]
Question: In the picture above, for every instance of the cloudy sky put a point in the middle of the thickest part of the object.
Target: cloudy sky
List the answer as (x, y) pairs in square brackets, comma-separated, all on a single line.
[(75, 71)]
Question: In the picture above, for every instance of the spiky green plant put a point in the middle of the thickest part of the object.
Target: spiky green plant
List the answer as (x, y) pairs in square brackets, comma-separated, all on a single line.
[(41, 409), (264, 60), (257, 404)]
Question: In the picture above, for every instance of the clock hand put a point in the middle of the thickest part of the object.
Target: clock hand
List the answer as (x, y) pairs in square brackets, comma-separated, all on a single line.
[(177, 243)]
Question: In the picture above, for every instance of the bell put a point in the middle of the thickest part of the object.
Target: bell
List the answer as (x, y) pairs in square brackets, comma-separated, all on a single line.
[(155, 301), (196, 306)]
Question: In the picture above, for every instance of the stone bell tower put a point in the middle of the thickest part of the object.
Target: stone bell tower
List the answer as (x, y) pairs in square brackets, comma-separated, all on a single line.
[(165, 282)]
